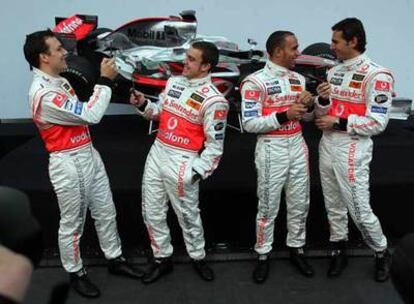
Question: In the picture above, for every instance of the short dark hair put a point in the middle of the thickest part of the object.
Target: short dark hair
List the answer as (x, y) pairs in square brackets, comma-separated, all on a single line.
[(35, 44), (350, 28), (276, 39), (210, 53)]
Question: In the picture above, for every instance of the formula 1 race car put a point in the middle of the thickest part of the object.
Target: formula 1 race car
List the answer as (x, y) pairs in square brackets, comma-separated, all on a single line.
[(148, 51)]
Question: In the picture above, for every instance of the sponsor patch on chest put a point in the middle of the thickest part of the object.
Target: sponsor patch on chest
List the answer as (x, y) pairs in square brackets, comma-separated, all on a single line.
[(174, 94)]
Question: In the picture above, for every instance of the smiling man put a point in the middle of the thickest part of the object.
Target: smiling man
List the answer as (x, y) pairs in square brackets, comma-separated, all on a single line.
[(76, 170), (192, 117), (360, 100), (274, 100)]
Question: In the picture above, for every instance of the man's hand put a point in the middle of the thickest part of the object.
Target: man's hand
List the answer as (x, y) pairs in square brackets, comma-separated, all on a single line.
[(324, 90), (306, 99), (296, 111), (136, 98), (326, 122), (108, 68)]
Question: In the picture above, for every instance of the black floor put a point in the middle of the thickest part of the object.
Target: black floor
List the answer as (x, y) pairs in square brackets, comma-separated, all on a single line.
[(233, 285)]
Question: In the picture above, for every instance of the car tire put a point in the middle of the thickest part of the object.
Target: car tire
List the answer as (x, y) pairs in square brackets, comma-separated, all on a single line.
[(81, 74), (320, 49)]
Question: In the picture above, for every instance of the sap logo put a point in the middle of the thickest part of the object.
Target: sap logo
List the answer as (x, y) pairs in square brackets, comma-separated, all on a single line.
[(249, 105)]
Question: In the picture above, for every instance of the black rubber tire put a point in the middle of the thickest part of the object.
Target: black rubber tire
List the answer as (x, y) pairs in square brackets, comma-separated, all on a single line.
[(320, 49), (81, 74)]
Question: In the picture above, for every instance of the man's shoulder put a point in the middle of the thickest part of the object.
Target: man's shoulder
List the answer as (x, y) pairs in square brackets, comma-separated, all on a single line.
[(296, 75), (258, 79), (371, 70)]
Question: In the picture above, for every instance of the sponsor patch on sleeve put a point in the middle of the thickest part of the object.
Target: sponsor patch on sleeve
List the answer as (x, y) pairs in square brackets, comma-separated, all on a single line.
[(376, 109), (252, 95), (60, 99), (249, 105), (68, 88), (220, 114), (381, 98), (78, 108), (219, 136), (382, 85), (251, 113), (68, 105), (219, 126)]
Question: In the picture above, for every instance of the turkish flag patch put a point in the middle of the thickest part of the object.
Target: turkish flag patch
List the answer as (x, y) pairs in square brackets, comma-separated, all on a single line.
[(382, 85), (60, 99), (252, 94), (220, 114)]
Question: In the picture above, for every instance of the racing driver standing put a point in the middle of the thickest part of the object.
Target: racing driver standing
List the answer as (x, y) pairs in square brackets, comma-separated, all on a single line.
[(360, 100), (274, 100), (76, 170), (192, 117)]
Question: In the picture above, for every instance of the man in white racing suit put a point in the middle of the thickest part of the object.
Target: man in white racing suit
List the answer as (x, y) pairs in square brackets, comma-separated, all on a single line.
[(192, 117), (76, 170), (360, 100), (274, 100)]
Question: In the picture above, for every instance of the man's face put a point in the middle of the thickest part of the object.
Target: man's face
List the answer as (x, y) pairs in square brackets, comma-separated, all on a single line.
[(193, 66), (288, 53), (343, 49), (55, 56)]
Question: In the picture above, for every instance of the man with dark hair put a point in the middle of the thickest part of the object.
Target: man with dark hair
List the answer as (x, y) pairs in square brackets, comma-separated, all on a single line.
[(192, 117), (274, 100), (350, 28), (76, 170), (210, 53), (359, 105)]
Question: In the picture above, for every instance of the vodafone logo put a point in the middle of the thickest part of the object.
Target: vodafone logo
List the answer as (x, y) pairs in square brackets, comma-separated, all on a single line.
[(252, 94), (59, 99), (79, 138), (205, 90), (382, 86), (172, 123)]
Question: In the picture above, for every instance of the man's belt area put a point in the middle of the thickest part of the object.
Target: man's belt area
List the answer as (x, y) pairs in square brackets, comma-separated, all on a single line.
[(290, 127), (61, 138)]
